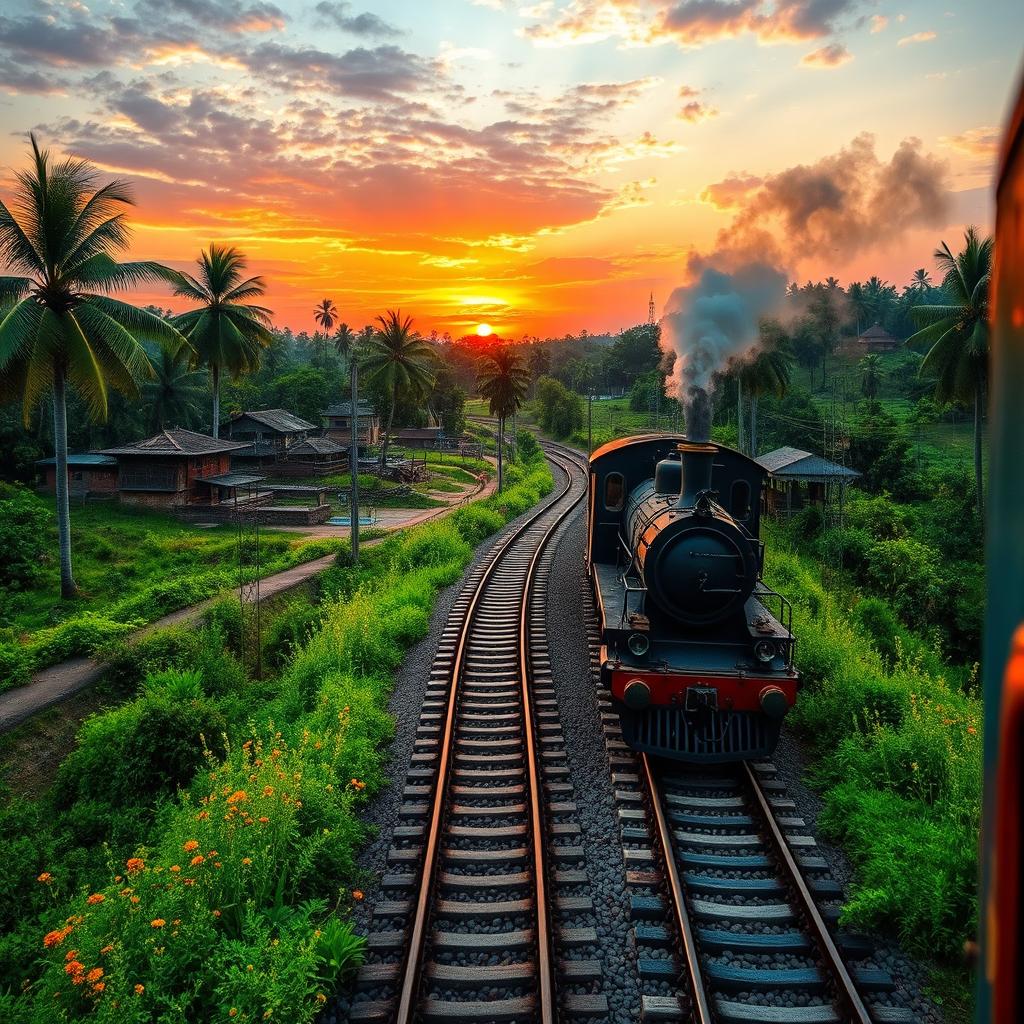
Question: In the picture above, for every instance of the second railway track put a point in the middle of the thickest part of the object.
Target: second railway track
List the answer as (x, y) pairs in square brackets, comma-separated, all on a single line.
[(482, 905)]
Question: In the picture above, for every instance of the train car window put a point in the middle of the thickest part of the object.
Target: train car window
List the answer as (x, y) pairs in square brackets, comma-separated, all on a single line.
[(614, 492), (739, 500)]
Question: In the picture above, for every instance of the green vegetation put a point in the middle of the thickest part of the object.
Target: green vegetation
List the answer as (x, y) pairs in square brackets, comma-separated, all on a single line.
[(196, 853), (895, 733), (133, 567)]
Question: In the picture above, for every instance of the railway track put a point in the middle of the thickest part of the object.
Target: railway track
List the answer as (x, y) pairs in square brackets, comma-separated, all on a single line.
[(481, 913)]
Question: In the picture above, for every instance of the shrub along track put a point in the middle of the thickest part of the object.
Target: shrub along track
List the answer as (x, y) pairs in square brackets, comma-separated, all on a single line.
[(485, 915)]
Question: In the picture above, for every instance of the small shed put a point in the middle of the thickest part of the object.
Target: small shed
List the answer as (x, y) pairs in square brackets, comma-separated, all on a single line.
[(314, 456), (420, 437), (89, 475), (875, 339), (797, 478), (337, 421)]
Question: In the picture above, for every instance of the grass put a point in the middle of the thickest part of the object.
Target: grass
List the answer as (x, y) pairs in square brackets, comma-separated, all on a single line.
[(196, 857), (896, 753), (132, 566)]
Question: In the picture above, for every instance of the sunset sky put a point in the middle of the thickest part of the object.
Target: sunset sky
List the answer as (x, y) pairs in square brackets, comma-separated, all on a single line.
[(539, 166)]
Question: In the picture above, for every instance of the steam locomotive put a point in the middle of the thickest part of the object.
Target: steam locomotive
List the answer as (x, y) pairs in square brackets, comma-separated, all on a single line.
[(696, 650)]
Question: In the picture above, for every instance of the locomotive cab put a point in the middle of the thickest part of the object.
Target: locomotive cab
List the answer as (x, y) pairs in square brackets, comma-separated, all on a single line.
[(696, 651)]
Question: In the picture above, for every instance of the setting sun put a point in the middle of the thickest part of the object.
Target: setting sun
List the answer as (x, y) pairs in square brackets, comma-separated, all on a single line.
[(484, 330)]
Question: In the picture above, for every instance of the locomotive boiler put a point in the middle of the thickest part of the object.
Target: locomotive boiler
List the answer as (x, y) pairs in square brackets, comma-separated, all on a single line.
[(696, 650)]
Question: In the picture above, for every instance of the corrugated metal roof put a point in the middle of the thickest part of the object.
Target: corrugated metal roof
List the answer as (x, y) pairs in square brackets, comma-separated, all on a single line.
[(420, 432), (796, 464), (231, 479), (280, 420), (176, 442), (82, 459), (345, 409)]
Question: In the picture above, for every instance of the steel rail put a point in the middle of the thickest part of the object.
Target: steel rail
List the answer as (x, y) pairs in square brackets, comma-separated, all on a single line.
[(411, 974), (847, 992), (545, 968), (677, 897)]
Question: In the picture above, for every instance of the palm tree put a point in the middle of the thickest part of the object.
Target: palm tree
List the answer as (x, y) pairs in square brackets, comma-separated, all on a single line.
[(59, 327), (325, 314), (345, 341), (956, 333), (225, 332), (397, 359), (766, 374), (921, 281), (832, 284), (173, 395), (871, 377), (503, 379)]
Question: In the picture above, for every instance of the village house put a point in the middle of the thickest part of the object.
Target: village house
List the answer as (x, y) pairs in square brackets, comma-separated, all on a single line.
[(314, 456), (89, 475), (420, 437), (337, 421), (797, 478), (267, 434), (875, 339), (172, 469)]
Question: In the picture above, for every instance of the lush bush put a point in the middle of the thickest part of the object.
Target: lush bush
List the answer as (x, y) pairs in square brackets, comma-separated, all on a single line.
[(24, 536), (561, 410), (897, 754), (289, 629), (906, 572)]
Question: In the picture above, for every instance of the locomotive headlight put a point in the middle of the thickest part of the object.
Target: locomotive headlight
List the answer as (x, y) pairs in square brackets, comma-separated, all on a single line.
[(764, 651), (638, 644)]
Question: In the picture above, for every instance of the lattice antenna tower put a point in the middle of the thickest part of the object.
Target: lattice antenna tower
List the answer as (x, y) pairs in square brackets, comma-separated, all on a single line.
[(650, 311)]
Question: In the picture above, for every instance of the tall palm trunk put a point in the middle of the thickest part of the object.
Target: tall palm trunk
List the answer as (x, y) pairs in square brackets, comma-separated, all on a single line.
[(515, 438), (739, 413), (501, 447), (753, 425), (353, 459), (215, 373), (68, 589), (978, 480), (387, 434)]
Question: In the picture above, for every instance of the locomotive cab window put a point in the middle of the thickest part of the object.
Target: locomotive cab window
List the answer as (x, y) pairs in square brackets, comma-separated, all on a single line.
[(739, 500), (614, 492)]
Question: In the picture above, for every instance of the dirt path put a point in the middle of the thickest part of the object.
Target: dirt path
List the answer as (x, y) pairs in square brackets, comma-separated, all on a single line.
[(58, 682)]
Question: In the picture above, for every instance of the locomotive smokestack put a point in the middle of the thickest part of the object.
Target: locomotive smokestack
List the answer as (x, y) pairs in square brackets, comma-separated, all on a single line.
[(698, 459)]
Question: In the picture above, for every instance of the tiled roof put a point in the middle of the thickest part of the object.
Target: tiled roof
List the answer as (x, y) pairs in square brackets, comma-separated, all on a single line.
[(280, 420), (345, 409), (176, 442), (317, 446), (796, 464)]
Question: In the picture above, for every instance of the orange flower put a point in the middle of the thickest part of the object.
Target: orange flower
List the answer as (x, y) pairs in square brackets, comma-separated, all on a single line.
[(321, 998), (357, 894), (78, 979), (175, 869), (95, 974), (105, 950), (45, 878), (71, 954), (157, 922), (264, 820), (73, 968), (268, 790), (202, 815), (356, 784), (99, 986), (216, 913), (972, 730), (232, 1012), (139, 989), (197, 860), (55, 938), (188, 881), (134, 899), (247, 860), (96, 897), (191, 845), (134, 865)]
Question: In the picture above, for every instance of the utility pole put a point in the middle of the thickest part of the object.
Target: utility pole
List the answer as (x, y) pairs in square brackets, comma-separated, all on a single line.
[(590, 423), (353, 457)]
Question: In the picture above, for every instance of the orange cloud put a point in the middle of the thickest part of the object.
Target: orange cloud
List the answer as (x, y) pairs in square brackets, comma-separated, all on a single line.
[(982, 143), (917, 37), (832, 56)]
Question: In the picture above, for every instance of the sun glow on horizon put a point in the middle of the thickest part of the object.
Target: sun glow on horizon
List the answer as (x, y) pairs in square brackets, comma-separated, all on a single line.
[(484, 330)]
